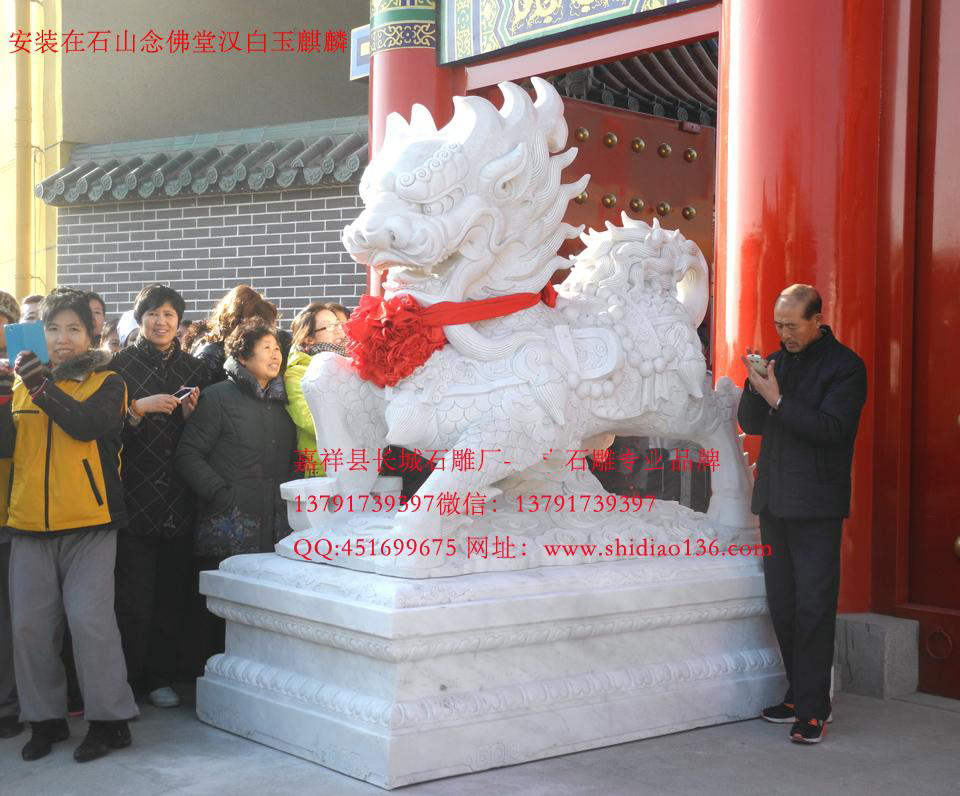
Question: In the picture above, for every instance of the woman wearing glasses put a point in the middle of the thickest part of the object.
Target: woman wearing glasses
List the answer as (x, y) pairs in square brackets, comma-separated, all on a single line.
[(317, 328)]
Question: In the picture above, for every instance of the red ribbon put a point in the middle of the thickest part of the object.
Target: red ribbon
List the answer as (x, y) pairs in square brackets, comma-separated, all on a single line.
[(390, 338)]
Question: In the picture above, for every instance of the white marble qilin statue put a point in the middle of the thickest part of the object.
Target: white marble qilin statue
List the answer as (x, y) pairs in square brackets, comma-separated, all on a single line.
[(474, 211)]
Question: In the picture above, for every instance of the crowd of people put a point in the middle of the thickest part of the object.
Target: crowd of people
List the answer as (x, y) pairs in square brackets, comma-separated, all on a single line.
[(147, 449), (138, 451)]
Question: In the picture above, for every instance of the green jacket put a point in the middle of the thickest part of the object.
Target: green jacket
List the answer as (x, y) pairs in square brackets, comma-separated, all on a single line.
[(297, 408)]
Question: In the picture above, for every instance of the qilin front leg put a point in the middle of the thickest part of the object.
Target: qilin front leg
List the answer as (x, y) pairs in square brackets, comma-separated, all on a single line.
[(348, 414), (731, 482), (499, 450)]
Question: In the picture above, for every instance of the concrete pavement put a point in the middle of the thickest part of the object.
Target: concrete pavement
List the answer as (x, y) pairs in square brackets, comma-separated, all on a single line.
[(906, 745)]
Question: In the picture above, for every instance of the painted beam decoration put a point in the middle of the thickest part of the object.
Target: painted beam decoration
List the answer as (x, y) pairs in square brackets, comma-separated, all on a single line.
[(472, 28), (360, 53), (399, 24)]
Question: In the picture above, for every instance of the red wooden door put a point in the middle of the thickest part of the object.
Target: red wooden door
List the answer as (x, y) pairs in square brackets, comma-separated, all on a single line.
[(934, 585), (646, 166)]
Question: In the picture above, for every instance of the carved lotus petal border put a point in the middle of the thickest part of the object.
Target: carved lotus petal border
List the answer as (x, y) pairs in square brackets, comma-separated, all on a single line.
[(494, 703)]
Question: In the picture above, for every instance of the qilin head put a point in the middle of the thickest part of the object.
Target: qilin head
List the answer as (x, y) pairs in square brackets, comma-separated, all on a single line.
[(474, 209)]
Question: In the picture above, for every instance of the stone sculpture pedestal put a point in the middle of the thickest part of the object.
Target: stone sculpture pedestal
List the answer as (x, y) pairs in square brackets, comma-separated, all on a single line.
[(396, 681)]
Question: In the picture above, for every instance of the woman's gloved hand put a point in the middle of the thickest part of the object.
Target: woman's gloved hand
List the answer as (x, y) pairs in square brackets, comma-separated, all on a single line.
[(29, 368)]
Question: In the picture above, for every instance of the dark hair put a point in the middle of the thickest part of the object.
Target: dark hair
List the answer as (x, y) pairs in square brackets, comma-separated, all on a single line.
[(194, 331), (110, 325), (806, 295), (154, 296), (91, 296), (239, 304), (244, 338), (66, 298), (302, 326), (33, 298)]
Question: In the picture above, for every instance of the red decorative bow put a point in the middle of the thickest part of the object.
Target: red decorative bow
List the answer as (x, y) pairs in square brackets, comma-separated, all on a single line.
[(390, 338)]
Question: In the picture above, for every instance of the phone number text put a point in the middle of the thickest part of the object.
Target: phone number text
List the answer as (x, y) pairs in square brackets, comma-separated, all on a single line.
[(610, 504)]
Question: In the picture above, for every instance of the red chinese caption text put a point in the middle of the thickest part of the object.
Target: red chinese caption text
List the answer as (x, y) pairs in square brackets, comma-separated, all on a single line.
[(463, 459), (179, 42)]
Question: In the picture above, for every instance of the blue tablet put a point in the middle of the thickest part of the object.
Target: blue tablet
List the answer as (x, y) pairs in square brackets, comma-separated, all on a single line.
[(26, 337)]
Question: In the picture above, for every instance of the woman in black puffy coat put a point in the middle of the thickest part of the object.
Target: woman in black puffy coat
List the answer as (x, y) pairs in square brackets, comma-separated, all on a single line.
[(235, 451), (154, 558)]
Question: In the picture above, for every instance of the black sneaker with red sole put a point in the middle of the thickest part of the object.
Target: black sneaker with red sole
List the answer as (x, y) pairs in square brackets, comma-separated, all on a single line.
[(784, 713), (808, 731)]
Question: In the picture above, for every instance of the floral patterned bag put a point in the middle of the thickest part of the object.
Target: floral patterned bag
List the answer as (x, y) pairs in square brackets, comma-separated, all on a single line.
[(227, 533)]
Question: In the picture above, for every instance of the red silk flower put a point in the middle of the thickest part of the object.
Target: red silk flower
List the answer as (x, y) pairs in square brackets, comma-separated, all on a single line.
[(388, 339)]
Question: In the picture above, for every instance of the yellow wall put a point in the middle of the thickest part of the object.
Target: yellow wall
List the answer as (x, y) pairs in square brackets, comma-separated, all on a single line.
[(45, 152), (119, 97)]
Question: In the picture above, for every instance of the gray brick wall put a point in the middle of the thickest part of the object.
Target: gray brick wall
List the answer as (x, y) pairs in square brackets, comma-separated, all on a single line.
[(286, 244)]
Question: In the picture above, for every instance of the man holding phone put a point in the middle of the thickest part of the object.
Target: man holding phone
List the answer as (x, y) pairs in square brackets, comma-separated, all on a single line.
[(805, 400)]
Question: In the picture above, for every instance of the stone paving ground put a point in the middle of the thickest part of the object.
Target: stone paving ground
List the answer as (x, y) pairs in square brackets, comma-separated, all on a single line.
[(901, 746)]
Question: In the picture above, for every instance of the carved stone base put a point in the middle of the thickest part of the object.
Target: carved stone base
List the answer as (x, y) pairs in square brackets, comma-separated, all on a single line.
[(397, 681)]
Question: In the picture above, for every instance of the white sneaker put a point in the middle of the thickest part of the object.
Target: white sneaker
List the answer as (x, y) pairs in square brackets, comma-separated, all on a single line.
[(164, 697)]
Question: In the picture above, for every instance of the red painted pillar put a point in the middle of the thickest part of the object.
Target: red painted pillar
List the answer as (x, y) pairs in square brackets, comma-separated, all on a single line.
[(797, 174), (404, 71), (399, 78)]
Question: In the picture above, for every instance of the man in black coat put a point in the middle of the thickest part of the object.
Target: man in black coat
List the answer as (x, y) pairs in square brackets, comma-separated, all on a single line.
[(807, 407)]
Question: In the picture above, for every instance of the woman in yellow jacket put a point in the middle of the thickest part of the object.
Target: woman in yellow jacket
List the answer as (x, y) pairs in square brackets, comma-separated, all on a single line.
[(62, 427), (318, 327)]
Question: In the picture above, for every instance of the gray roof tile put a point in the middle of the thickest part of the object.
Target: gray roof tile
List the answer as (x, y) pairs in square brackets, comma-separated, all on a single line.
[(329, 152)]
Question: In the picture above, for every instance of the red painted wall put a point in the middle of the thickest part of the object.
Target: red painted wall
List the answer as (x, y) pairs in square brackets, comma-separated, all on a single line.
[(797, 176)]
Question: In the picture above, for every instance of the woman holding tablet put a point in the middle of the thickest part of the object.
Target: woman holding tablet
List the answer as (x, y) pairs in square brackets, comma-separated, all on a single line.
[(62, 426)]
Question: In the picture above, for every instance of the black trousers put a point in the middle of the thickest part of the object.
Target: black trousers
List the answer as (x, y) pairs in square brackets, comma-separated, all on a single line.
[(802, 577), (154, 582)]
